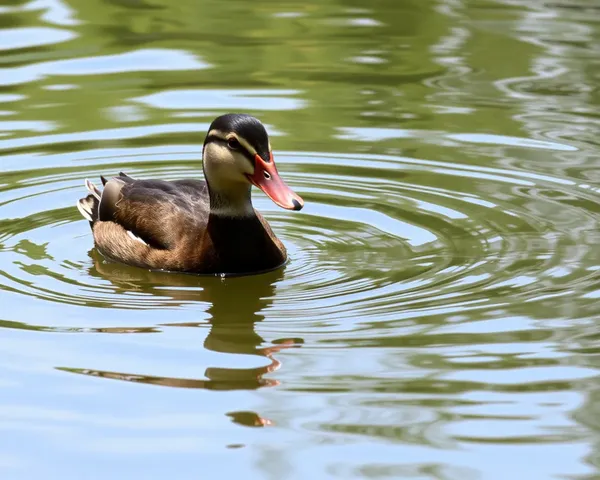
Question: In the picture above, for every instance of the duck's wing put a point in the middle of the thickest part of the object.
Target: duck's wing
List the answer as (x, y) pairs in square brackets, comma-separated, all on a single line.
[(133, 219)]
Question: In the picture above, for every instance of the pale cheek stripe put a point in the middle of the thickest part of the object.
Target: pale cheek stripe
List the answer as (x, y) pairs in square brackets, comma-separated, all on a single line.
[(245, 144), (217, 133), (226, 136)]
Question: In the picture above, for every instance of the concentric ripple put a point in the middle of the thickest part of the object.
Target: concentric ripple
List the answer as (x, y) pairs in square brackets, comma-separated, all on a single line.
[(391, 238)]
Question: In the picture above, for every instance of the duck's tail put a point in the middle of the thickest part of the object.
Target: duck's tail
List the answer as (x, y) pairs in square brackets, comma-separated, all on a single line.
[(89, 206), (93, 207)]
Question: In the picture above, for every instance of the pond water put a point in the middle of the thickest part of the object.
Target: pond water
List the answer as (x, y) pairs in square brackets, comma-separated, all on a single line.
[(438, 317)]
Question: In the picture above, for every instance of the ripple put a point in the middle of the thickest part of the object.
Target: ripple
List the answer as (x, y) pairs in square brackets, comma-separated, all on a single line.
[(393, 239), (15, 38), (370, 134), (146, 60), (260, 99), (512, 141)]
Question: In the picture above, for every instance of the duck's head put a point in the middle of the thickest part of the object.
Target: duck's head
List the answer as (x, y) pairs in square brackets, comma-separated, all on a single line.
[(237, 154)]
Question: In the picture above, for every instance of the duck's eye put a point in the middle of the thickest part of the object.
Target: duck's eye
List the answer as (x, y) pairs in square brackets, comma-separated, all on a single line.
[(233, 144)]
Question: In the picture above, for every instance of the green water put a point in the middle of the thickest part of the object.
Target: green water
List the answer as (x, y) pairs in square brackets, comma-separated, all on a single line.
[(438, 318)]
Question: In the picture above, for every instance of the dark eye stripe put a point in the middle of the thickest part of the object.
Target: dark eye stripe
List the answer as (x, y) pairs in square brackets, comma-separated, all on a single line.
[(241, 149)]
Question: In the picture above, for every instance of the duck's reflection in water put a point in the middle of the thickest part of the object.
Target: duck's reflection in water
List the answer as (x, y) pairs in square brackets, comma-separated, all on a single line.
[(235, 308)]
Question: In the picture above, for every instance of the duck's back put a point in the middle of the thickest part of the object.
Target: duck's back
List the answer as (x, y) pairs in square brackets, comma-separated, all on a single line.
[(159, 212)]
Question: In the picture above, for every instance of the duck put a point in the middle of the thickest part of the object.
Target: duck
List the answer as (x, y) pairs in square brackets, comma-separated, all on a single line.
[(191, 225)]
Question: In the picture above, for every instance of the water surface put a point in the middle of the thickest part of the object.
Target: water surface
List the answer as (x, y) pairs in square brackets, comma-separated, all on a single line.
[(438, 317)]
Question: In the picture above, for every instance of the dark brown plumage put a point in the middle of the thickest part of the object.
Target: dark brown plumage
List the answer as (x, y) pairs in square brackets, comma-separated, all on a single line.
[(207, 227)]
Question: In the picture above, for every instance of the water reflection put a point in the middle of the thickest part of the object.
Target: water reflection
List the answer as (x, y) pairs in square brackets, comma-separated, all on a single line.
[(236, 305)]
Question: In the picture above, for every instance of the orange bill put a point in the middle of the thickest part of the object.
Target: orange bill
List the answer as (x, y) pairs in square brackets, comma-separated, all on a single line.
[(268, 180)]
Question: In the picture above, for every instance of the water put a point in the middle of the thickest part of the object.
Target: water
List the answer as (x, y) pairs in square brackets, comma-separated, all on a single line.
[(438, 318)]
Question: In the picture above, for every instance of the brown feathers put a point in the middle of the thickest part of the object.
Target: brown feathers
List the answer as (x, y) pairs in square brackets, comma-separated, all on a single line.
[(164, 225)]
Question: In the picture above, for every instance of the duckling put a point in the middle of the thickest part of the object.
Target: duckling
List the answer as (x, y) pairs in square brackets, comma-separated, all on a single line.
[(197, 226)]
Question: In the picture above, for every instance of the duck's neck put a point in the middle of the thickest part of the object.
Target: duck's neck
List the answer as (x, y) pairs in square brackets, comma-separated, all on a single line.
[(233, 201)]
